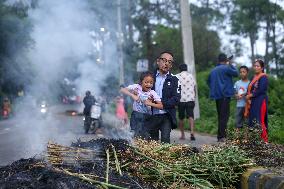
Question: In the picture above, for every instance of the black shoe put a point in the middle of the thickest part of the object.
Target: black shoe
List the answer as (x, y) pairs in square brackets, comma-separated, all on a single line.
[(192, 137), (221, 140)]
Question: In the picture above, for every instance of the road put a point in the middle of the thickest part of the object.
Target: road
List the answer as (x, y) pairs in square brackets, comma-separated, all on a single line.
[(27, 135)]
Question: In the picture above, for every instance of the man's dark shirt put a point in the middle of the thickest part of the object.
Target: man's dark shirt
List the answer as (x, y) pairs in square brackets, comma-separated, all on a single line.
[(171, 96), (88, 102)]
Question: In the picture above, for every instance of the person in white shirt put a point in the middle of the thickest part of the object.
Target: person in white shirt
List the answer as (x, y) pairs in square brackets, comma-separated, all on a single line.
[(187, 101)]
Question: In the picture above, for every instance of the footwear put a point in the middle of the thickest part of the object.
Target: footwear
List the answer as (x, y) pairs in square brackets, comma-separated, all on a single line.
[(98, 131), (221, 139), (192, 137)]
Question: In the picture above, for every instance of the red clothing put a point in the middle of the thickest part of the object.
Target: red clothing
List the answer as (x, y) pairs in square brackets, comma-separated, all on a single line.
[(120, 111), (256, 107)]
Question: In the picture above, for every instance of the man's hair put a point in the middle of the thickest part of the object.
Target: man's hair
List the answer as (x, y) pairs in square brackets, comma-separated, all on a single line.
[(145, 74), (244, 67), (88, 93), (223, 57), (168, 52), (182, 67)]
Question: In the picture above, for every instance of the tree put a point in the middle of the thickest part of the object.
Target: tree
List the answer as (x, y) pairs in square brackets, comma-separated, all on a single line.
[(15, 40), (245, 21), (147, 15)]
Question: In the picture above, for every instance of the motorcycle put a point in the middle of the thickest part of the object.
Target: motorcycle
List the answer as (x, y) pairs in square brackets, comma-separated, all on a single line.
[(94, 121), (43, 108)]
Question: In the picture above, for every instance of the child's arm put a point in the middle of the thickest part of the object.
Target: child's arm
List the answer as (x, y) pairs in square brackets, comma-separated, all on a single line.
[(127, 92), (158, 104)]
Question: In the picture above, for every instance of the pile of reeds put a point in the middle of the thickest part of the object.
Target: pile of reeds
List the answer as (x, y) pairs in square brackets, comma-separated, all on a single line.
[(59, 154), (160, 165), (180, 166), (96, 163)]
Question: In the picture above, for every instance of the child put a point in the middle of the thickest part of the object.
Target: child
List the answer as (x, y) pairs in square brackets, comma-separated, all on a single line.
[(241, 87), (144, 98), (121, 114)]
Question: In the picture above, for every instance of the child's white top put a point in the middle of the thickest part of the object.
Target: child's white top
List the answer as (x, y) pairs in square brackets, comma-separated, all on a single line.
[(138, 105), (241, 88)]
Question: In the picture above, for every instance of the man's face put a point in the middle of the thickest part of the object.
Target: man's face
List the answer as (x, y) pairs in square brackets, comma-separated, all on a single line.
[(165, 63)]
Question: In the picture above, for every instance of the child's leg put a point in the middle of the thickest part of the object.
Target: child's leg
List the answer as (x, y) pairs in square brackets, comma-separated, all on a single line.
[(239, 121)]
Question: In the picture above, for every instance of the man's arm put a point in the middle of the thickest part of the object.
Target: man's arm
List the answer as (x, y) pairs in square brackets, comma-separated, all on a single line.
[(232, 71), (175, 98)]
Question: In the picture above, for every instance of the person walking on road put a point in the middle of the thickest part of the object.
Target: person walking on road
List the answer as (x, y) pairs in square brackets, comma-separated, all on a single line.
[(187, 101), (220, 82)]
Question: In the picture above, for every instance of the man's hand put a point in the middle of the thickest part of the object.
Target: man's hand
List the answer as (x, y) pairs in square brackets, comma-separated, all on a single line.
[(151, 98), (135, 92), (148, 102)]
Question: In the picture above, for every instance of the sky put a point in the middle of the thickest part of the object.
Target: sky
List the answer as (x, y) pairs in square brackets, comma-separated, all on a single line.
[(245, 57)]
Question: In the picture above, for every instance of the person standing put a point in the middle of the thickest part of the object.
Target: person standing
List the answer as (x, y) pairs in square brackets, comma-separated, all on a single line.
[(120, 112), (241, 87), (167, 87), (187, 101), (140, 93), (220, 82), (257, 100), (89, 100)]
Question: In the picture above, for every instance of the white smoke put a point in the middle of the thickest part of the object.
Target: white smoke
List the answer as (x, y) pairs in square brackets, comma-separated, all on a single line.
[(62, 43)]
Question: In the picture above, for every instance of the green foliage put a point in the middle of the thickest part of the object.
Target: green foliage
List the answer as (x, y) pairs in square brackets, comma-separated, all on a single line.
[(208, 115), (276, 128), (275, 94), (15, 40), (164, 41)]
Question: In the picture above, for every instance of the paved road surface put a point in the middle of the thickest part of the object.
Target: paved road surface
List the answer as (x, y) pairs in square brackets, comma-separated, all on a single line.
[(27, 135)]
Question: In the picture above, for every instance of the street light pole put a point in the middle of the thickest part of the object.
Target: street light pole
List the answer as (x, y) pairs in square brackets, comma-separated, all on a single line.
[(120, 38), (188, 52)]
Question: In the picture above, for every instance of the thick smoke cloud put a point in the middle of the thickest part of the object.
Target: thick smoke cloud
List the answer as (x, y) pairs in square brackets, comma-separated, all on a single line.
[(63, 44), (63, 47)]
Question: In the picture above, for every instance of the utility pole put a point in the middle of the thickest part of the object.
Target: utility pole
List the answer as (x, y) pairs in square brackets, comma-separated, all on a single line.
[(188, 52), (120, 38)]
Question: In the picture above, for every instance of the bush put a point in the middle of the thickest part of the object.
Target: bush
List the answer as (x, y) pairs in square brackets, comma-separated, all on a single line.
[(276, 129), (208, 115)]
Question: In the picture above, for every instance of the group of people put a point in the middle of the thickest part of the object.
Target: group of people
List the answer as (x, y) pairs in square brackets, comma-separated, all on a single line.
[(155, 98), (157, 95), (251, 96)]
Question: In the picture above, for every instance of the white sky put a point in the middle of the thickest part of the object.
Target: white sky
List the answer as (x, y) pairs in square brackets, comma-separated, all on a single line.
[(260, 44)]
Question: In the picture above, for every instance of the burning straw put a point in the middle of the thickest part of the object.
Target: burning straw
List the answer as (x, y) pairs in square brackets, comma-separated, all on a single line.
[(161, 165), (108, 163)]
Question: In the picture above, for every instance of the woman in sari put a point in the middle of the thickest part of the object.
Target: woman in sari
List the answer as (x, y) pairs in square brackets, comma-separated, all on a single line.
[(257, 99)]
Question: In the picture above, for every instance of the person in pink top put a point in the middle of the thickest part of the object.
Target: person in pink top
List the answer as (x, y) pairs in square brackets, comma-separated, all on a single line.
[(120, 110), (144, 98)]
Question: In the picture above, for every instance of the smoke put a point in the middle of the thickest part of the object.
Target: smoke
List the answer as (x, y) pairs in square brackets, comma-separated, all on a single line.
[(63, 45), (69, 42)]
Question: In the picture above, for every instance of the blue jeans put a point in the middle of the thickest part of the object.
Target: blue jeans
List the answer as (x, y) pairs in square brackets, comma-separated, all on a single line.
[(137, 124)]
